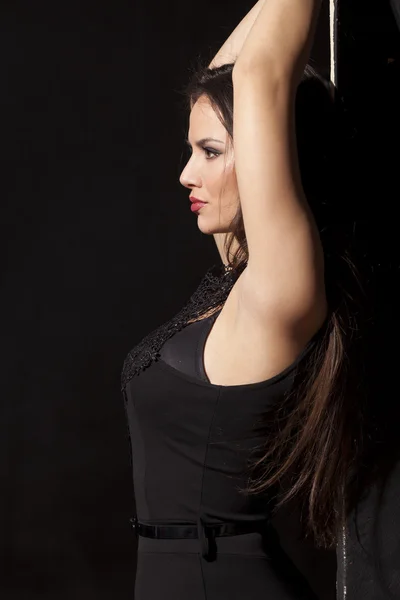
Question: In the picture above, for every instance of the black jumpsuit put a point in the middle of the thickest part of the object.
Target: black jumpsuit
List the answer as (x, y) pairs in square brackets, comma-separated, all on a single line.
[(190, 442)]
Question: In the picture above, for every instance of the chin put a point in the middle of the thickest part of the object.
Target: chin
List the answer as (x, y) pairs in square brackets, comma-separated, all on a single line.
[(208, 228)]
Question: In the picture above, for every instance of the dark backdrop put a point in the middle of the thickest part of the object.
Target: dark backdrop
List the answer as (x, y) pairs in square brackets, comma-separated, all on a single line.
[(369, 80), (98, 246)]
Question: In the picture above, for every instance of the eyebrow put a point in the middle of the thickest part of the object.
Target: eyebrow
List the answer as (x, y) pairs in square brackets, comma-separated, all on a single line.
[(203, 141)]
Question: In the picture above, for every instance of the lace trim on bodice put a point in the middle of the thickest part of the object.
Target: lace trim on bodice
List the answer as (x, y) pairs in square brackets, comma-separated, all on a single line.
[(209, 296)]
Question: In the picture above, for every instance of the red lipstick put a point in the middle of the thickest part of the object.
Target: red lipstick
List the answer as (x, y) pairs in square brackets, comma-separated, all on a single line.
[(196, 204)]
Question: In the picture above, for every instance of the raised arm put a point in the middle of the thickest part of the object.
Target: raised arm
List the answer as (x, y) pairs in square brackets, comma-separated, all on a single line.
[(284, 277), (230, 50)]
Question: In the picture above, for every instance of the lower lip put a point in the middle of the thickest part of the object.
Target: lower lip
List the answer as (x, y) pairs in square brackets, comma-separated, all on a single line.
[(197, 206)]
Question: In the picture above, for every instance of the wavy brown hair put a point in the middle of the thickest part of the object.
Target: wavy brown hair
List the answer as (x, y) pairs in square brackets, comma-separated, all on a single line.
[(315, 439)]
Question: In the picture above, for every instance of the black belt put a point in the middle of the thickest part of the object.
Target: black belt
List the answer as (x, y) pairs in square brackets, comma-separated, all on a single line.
[(205, 532)]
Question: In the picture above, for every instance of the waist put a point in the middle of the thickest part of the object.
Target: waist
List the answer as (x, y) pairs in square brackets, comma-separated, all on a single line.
[(200, 530)]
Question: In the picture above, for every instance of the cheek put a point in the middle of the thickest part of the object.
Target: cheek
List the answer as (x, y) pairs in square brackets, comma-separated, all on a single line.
[(214, 179), (231, 185), (221, 182)]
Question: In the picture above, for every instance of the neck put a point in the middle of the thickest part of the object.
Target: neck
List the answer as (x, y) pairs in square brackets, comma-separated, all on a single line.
[(219, 239)]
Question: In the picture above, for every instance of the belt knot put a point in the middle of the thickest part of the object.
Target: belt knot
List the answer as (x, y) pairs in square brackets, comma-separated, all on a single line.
[(206, 535)]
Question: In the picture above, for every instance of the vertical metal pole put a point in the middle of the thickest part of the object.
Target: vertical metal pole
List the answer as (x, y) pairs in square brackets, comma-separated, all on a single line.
[(333, 37), (395, 4)]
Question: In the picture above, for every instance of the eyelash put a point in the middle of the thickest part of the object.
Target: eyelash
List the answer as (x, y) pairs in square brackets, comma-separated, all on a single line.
[(210, 151)]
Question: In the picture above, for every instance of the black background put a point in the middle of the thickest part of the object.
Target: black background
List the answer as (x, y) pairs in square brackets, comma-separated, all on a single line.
[(98, 247)]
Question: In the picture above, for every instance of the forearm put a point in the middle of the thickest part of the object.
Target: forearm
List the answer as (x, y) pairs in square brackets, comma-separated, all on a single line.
[(231, 49), (281, 36)]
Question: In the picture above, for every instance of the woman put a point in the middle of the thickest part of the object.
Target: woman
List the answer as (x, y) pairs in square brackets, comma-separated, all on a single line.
[(237, 404)]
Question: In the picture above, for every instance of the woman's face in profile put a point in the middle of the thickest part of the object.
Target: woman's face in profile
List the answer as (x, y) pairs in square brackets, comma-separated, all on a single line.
[(210, 173)]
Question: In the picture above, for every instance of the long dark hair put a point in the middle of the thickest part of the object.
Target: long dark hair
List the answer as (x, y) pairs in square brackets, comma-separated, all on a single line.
[(314, 440)]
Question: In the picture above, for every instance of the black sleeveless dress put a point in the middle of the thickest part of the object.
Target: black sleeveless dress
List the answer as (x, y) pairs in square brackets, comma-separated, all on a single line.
[(190, 442)]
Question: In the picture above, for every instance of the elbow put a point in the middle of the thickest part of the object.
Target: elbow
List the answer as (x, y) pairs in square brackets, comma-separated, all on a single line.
[(261, 68), (245, 66), (275, 89)]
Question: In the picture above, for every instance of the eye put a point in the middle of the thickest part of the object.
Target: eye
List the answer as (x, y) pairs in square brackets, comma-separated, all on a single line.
[(215, 153), (208, 151)]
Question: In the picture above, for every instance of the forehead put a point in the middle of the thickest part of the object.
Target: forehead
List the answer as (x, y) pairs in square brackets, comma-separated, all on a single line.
[(203, 119)]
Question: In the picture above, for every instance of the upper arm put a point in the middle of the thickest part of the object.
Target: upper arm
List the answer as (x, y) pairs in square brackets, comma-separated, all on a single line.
[(285, 266)]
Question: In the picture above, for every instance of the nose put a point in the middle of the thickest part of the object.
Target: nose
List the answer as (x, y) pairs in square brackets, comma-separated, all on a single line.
[(189, 177)]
